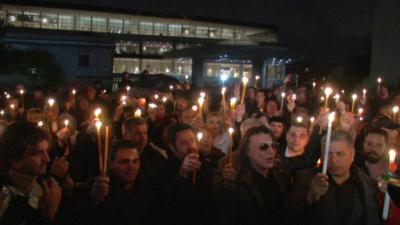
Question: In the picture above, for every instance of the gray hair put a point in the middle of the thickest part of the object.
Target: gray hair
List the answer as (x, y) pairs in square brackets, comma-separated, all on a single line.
[(339, 135)]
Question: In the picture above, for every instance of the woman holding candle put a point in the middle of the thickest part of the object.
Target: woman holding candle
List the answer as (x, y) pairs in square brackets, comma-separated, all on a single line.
[(215, 125)]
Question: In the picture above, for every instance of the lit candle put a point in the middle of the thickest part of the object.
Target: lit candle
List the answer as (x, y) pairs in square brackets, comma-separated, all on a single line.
[(312, 120), (73, 96), (98, 125), (123, 99), (245, 80), (171, 87), (2, 113), (66, 123), (331, 117), (392, 168), (195, 108), (156, 96), (328, 91), (230, 131), (223, 90), (202, 94), (360, 111), (128, 88), (299, 119), (138, 113), (199, 137), (97, 113), (164, 99), (12, 106), (22, 97), (395, 110), (283, 94), (201, 103), (106, 147), (337, 98), (314, 85), (257, 78), (51, 102), (354, 97), (232, 103), (152, 105), (379, 80), (40, 124), (364, 94)]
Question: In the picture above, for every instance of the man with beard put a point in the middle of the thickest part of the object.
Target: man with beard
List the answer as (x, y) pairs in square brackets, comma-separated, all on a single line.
[(373, 151)]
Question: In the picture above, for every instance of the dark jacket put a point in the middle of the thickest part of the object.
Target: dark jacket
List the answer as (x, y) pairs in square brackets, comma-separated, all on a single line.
[(252, 199), (181, 201), (324, 211)]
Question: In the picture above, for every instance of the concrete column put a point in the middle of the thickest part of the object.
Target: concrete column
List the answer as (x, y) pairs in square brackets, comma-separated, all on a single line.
[(197, 71)]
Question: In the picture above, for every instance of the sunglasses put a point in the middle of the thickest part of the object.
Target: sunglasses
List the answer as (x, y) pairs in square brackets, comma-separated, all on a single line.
[(265, 146)]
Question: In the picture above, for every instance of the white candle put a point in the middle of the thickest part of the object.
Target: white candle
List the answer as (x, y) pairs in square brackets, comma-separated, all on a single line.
[(66, 123), (395, 110), (257, 78), (331, 117), (51, 102), (354, 97), (283, 94), (138, 113), (232, 103), (245, 80), (97, 113), (386, 203), (299, 119), (379, 80), (328, 91)]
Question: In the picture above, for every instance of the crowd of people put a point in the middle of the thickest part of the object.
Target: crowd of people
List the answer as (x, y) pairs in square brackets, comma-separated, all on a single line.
[(239, 156)]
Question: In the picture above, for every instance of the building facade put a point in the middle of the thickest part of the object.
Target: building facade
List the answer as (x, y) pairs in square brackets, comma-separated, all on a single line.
[(98, 43)]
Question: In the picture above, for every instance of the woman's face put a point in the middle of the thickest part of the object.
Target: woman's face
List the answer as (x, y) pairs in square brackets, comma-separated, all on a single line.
[(272, 107), (260, 98), (213, 124)]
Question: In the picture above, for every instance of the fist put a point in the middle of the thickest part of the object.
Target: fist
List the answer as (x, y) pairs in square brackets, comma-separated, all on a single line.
[(189, 164), (51, 198), (318, 187), (100, 188)]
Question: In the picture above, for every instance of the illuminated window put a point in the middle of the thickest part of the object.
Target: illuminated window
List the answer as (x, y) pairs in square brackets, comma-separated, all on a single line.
[(160, 29), (159, 65), (121, 65), (49, 21), (183, 67), (156, 48), (131, 26), (65, 22), (31, 19), (202, 32), (146, 28), (175, 29), (99, 24), (115, 25), (83, 23), (127, 47)]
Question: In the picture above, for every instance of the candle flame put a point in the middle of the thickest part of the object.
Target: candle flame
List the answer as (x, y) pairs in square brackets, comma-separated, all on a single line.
[(331, 117), (395, 109), (156, 96), (73, 91), (230, 130), (40, 124), (195, 108), (245, 80), (164, 99), (51, 101), (202, 94), (223, 90), (392, 155), (379, 80), (97, 112), (257, 77), (199, 136), (98, 125), (152, 105), (66, 122), (354, 97), (299, 119), (283, 94), (138, 113), (328, 91)]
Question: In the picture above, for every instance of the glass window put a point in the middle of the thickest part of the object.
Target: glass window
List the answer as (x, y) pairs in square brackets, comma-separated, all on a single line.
[(145, 28), (160, 29), (188, 30), (175, 30), (127, 47), (49, 21), (83, 23), (179, 46), (14, 18), (31, 19), (115, 25), (159, 65), (99, 24), (213, 69), (227, 33), (215, 32), (202, 32), (130, 65), (183, 67), (131, 26), (65, 22), (156, 48)]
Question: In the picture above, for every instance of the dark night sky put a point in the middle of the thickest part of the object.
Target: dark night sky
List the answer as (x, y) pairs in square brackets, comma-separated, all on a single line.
[(323, 30)]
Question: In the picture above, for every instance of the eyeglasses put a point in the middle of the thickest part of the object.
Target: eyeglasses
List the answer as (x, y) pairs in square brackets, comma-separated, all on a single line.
[(265, 146)]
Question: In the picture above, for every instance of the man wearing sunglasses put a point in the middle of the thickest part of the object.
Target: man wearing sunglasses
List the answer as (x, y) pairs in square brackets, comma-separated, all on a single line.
[(257, 193)]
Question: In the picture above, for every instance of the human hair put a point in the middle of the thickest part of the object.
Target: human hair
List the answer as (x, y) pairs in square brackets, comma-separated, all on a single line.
[(129, 124), (248, 124), (339, 135), (277, 119), (179, 127), (17, 138), (122, 144), (377, 131), (245, 144)]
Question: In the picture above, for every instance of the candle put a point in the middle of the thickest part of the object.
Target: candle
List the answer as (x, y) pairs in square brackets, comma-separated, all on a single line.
[(223, 90), (51, 102), (230, 131), (257, 78), (106, 144), (283, 94), (22, 97), (171, 87), (328, 91), (199, 137), (318, 163), (337, 97), (164, 99), (40, 124), (138, 113), (66, 123), (364, 93), (97, 113), (128, 88), (360, 111), (314, 85), (312, 120), (232, 103), (395, 109), (392, 168), (244, 80), (2, 113), (354, 97), (156, 96), (201, 103), (12, 106), (299, 119), (342, 92), (152, 105), (202, 94), (195, 108), (331, 117), (98, 125), (379, 80), (187, 78)]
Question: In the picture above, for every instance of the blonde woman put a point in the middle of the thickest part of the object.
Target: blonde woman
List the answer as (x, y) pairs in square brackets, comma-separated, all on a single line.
[(215, 125)]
